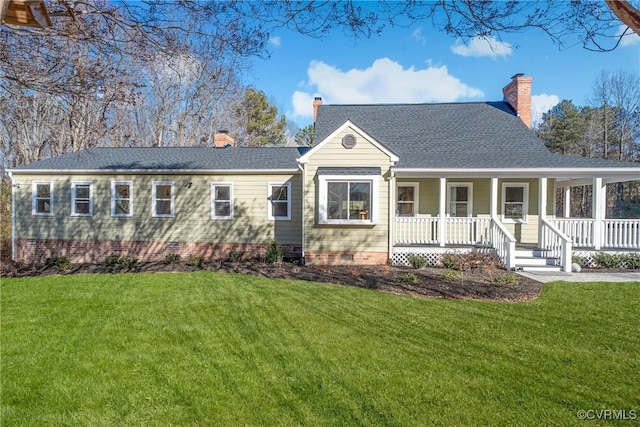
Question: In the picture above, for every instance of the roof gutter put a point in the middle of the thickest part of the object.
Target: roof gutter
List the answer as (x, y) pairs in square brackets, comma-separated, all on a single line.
[(152, 171), (518, 172)]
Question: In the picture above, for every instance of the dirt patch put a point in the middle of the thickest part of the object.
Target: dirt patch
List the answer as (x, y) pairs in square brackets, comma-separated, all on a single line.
[(476, 284)]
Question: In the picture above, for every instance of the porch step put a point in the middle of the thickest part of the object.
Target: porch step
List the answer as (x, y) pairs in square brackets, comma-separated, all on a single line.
[(535, 260)]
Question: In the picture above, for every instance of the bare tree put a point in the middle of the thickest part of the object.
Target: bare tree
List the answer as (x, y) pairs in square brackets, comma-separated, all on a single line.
[(245, 26)]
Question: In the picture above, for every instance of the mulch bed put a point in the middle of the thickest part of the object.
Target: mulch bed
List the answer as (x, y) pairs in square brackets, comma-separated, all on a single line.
[(477, 284)]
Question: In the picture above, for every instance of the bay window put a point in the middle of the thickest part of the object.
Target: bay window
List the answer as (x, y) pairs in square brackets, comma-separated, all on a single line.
[(348, 199)]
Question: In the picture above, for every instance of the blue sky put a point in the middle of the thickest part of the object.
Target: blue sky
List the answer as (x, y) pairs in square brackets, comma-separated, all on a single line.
[(421, 64)]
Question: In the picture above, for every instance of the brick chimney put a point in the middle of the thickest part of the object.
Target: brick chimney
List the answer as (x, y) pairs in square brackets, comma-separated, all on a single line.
[(222, 139), (518, 95), (317, 101)]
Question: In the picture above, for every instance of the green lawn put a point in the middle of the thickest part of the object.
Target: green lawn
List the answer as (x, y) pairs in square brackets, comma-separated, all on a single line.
[(216, 349)]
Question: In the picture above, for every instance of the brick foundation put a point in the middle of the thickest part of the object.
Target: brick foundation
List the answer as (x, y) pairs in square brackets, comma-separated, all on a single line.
[(346, 258), (35, 251)]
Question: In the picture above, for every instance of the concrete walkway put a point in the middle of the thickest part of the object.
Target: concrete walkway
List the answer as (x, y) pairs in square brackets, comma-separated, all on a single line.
[(552, 276)]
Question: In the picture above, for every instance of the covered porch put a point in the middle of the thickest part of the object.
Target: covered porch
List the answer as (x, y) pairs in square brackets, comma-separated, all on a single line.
[(504, 214)]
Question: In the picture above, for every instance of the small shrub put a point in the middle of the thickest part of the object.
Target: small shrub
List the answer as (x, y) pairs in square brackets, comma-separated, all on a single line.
[(417, 261), (128, 263), (273, 254), (408, 278), (112, 260), (632, 261), (506, 279), (605, 260), (195, 261), (450, 261), (61, 263), (236, 256), (450, 275), (172, 259)]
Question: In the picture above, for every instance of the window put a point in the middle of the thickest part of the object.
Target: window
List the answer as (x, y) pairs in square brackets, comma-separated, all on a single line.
[(121, 198), (42, 202), (162, 196), (221, 201), (348, 199), (279, 201), (407, 199), (81, 199), (515, 202), (460, 199)]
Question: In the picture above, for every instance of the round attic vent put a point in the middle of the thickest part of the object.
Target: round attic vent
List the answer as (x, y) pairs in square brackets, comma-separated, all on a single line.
[(349, 141)]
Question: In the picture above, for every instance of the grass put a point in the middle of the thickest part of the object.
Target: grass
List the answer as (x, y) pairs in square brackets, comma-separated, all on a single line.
[(220, 349)]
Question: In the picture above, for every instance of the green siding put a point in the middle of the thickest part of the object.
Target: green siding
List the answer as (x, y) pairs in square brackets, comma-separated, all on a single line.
[(192, 211), (364, 238)]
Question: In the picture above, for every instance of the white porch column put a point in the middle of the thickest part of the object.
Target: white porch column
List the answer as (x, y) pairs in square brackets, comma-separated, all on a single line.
[(392, 215), (542, 206), (566, 208), (598, 206), (442, 224), (494, 198)]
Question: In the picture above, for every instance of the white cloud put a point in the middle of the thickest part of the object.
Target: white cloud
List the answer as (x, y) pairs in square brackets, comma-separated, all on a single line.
[(302, 104), (482, 46), (540, 104), (418, 36), (385, 81), (275, 41), (630, 38)]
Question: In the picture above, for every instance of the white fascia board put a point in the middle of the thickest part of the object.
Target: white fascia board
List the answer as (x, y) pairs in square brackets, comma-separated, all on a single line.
[(392, 156), (295, 171), (617, 173)]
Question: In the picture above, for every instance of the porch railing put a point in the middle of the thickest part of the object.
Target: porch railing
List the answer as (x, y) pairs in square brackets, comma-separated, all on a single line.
[(416, 230), (459, 231), (468, 231), (615, 233), (556, 243), (504, 243), (425, 231), (621, 233)]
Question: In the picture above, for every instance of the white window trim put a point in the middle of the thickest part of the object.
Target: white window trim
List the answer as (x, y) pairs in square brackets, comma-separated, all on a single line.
[(154, 184), (469, 185), (270, 215), (323, 182), (113, 198), (73, 198), (34, 198), (213, 200), (525, 202), (416, 193)]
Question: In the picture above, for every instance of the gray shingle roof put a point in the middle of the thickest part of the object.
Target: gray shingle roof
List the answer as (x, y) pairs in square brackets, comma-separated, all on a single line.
[(482, 135), (173, 158)]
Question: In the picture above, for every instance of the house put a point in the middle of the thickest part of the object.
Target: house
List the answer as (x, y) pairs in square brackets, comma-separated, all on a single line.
[(382, 182)]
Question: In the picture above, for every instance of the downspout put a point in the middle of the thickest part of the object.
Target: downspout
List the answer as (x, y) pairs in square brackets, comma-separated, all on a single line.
[(391, 216), (302, 261), (13, 217)]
